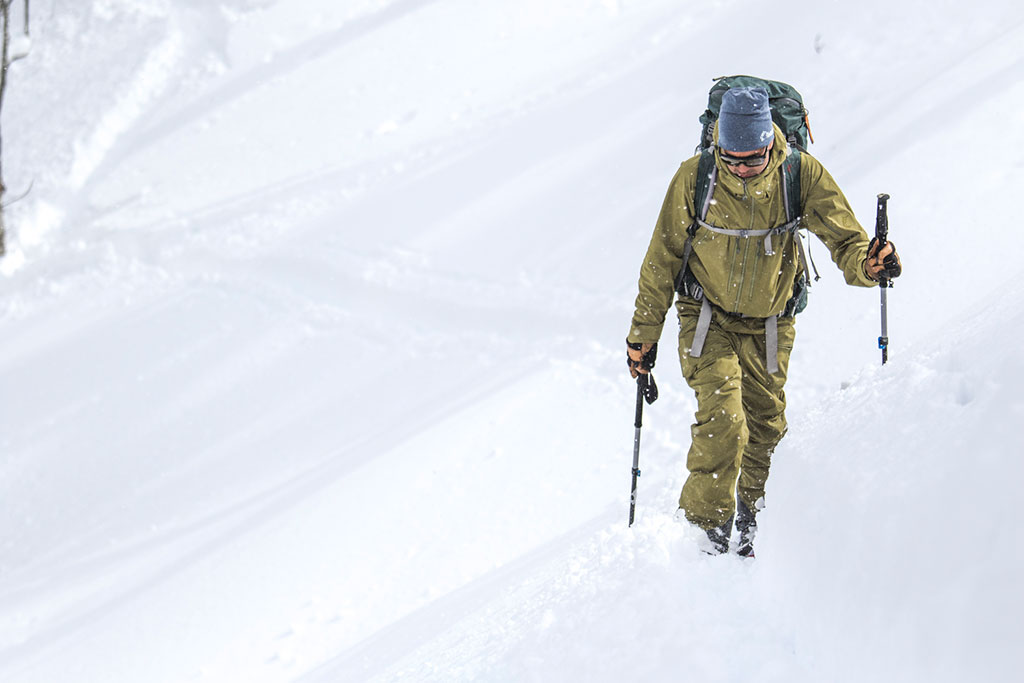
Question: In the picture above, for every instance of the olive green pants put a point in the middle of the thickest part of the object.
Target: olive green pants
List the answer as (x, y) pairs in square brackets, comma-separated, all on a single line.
[(740, 412)]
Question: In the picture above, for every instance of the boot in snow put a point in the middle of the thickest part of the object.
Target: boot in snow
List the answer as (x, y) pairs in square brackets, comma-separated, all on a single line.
[(746, 525), (719, 538)]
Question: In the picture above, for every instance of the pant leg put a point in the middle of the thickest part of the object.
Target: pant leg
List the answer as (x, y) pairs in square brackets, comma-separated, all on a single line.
[(764, 407), (720, 432)]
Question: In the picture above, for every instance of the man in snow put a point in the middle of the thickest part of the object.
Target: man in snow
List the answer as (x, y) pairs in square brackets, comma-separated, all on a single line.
[(736, 302)]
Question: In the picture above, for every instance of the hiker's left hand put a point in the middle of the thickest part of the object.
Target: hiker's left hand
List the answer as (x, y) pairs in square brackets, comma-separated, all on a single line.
[(884, 262), (640, 358)]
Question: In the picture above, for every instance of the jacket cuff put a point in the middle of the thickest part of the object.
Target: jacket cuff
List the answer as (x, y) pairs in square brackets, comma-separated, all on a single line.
[(644, 334), (864, 278)]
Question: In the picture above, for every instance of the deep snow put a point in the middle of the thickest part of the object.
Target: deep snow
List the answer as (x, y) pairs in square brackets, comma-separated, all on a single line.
[(311, 359)]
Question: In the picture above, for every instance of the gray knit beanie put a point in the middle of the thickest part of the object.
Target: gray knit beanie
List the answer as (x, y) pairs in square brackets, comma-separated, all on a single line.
[(744, 120)]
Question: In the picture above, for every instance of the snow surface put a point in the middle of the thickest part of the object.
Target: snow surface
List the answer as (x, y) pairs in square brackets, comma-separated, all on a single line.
[(311, 347)]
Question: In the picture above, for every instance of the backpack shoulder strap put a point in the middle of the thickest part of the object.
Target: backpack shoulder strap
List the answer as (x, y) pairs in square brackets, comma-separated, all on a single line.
[(791, 184), (707, 177), (794, 210), (704, 188)]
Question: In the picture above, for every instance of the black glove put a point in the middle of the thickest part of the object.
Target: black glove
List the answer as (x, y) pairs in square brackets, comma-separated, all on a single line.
[(641, 357), (884, 262)]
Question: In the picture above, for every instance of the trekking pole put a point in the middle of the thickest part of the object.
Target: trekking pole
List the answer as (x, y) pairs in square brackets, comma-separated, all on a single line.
[(884, 283), (646, 389)]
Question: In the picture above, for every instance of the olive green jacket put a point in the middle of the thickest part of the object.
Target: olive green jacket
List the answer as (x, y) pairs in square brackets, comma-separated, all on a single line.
[(735, 272)]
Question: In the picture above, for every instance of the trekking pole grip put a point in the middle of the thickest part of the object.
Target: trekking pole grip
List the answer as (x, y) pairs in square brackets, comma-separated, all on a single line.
[(638, 420), (882, 220)]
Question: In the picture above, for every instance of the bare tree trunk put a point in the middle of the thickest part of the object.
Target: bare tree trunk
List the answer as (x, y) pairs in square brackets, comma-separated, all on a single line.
[(5, 62), (5, 16)]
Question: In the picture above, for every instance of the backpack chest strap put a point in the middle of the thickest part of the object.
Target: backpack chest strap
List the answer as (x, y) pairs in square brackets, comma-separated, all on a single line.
[(790, 226)]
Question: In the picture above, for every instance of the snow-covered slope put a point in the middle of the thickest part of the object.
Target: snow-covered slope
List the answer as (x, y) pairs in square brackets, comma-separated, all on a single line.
[(311, 358)]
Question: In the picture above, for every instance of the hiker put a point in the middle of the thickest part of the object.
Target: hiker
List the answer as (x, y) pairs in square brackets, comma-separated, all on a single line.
[(739, 269)]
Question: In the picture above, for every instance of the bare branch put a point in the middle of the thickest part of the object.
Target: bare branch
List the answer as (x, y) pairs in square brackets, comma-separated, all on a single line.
[(20, 196)]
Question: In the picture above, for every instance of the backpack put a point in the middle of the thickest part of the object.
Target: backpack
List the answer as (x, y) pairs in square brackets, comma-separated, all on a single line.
[(786, 104), (788, 112)]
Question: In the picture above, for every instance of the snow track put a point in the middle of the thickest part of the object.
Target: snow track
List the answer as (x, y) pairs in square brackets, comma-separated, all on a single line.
[(311, 348)]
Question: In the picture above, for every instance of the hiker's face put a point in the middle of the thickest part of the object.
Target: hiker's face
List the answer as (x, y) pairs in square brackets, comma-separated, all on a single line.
[(759, 157)]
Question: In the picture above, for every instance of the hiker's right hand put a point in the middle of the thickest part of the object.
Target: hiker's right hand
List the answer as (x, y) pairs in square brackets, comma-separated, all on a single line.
[(641, 357)]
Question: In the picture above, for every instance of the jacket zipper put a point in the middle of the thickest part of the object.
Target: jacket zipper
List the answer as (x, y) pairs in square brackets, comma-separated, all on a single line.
[(757, 258), (746, 251)]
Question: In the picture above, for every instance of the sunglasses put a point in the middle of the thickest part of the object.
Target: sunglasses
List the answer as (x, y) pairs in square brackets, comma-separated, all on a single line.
[(749, 162)]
